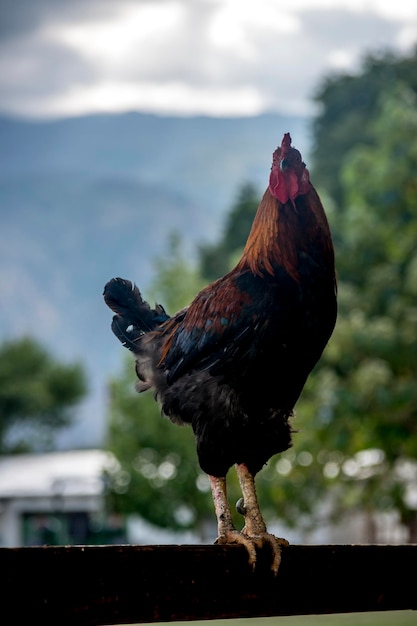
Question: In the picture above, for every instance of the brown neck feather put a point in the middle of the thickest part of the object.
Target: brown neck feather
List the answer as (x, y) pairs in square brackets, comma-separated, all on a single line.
[(281, 231), (267, 245)]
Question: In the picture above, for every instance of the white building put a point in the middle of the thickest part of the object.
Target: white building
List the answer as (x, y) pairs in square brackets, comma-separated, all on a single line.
[(55, 498)]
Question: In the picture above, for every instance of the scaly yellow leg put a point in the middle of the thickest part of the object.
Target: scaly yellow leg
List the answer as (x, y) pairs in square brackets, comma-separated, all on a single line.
[(255, 527)]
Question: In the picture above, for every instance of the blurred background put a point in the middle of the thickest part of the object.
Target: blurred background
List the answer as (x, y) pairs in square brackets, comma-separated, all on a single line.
[(136, 141)]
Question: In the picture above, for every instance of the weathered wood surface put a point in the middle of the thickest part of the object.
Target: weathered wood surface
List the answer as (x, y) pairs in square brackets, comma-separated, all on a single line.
[(97, 585)]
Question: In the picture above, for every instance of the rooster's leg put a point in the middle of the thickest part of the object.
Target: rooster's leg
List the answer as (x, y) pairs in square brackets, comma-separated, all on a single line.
[(255, 527), (226, 529)]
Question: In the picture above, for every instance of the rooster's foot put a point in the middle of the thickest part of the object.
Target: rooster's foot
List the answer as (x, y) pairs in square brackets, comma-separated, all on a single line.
[(252, 543)]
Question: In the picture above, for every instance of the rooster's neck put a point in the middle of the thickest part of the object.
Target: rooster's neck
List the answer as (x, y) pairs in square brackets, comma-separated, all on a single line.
[(269, 244)]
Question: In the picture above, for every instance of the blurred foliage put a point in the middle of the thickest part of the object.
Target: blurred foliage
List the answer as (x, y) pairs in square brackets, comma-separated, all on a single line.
[(37, 393), (348, 103), (360, 404), (176, 280), (158, 476), (356, 445), (217, 259)]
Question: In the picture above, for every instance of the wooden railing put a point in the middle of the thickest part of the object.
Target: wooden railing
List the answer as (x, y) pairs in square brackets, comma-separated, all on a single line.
[(127, 584)]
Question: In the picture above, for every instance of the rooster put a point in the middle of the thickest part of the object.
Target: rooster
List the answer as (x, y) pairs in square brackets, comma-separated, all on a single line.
[(234, 362)]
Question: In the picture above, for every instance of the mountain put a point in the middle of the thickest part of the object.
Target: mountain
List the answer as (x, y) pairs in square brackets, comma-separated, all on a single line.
[(84, 199)]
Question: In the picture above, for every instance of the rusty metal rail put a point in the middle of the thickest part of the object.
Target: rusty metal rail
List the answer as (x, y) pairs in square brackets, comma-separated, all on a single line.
[(127, 584)]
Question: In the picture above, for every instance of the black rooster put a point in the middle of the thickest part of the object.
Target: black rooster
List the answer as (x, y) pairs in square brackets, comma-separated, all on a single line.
[(234, 362)]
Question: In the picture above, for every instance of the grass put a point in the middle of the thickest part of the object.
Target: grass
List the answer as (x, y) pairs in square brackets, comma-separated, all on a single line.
[(382, 618)]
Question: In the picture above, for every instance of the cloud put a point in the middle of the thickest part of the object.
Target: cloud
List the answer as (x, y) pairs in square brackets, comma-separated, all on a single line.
[(175, 56), (27, 16)]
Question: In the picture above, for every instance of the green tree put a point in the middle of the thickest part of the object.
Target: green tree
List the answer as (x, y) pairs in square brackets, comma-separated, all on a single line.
[(157, 476), (378, 305), (348, 103), (37, 393), (176, 280)]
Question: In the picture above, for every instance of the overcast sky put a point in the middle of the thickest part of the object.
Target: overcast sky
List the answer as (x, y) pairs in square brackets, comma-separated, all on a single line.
[(215, 57)]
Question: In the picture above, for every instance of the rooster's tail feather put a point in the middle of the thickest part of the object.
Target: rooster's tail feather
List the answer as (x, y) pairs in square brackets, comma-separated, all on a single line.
[(134, 317)]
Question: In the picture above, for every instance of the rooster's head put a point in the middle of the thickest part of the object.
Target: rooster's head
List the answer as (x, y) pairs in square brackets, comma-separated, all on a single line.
[(289, 176)]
